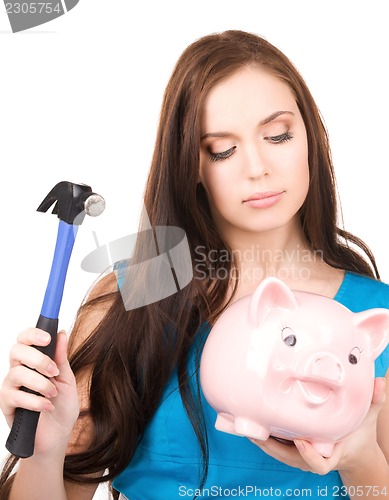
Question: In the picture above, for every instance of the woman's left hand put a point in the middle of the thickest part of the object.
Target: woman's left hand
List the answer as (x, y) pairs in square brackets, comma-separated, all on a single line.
[(345, 454)]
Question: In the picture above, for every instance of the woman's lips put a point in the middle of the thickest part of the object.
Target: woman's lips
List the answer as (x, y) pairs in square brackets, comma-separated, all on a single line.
[(264, 200)]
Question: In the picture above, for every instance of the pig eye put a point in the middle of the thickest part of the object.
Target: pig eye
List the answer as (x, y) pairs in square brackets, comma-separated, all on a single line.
[(288, 336), (354, 356)]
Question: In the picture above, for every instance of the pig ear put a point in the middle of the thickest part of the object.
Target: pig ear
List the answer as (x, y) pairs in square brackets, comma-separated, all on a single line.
[(272, 293), (375, 322)]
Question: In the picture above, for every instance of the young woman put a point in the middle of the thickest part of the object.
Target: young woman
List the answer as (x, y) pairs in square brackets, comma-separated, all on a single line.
[(242, 164)]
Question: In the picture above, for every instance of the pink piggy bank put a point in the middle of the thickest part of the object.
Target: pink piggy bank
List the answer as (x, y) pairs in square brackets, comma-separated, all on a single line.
[(292, 365)]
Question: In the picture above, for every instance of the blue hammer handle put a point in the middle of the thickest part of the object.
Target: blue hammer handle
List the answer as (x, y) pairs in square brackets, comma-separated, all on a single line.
[(21, 439)]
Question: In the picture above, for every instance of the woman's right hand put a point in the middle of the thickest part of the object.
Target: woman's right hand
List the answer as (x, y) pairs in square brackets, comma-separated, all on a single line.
[(53, 379)]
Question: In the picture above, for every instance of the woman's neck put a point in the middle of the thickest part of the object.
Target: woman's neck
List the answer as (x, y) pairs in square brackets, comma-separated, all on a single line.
[(271, 252), (286, 254)]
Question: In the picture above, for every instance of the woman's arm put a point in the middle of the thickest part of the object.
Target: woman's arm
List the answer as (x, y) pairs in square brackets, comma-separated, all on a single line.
[(41, 476), (383, 424), (29, 483), (366, 468), (60, 431)]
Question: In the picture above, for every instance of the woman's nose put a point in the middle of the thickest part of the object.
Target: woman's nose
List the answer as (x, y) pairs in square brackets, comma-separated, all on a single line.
[(255, 163)]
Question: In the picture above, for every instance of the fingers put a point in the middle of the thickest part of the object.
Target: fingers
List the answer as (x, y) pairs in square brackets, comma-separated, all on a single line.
[(61, 358), (285, 453), (314, 460), (32, 369), (34, 336), (22, 354), (379, 391), (13, 397), (20, 374)]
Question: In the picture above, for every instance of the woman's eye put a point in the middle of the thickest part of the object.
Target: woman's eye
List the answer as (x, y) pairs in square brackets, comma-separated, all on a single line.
[(279, 139), (223, 155)]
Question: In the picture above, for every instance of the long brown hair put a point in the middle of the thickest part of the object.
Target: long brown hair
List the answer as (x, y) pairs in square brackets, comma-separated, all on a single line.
[(127, 353)]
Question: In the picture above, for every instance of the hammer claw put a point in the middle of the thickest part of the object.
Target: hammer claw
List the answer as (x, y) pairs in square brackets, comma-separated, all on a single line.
[(69, 199), (46, 204)]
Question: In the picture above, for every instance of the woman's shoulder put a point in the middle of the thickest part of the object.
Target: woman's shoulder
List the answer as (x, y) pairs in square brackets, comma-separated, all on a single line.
[(359, 292)]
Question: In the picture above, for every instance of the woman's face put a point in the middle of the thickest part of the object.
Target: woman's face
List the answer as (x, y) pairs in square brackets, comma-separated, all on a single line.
[(254, 153)]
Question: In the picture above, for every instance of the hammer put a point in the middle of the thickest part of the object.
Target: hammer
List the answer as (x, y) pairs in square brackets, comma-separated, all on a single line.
[(72, 202)]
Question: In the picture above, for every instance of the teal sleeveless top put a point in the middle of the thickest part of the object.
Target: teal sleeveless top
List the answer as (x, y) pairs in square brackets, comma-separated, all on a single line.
[(167, 464)]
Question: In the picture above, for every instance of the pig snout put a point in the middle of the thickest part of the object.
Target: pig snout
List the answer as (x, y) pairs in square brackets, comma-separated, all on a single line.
[(326, 368), (323, 375)]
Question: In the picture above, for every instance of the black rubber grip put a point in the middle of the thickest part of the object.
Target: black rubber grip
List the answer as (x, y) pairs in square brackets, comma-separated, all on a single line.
[(21, 439)]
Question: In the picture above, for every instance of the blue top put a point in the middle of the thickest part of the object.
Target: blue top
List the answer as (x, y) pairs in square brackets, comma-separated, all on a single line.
[(167, 462)]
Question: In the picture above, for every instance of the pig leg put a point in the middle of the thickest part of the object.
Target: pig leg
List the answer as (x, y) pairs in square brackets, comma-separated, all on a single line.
[(225, 423), (249, 428)]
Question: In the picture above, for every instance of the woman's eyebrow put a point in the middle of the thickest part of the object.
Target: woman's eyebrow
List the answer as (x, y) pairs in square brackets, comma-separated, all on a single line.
[(266, 120), (216, 134), (275, 115)]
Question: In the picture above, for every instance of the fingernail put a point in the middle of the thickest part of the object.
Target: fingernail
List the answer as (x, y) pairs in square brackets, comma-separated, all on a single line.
[(53, 370), (44, 337), (48, 406)]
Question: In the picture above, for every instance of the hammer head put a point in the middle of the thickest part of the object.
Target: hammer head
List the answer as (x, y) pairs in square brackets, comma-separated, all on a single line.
[(72, 202)]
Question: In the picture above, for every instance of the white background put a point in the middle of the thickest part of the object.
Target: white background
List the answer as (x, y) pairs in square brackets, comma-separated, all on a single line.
[(80, 99)]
